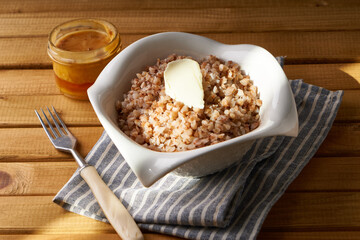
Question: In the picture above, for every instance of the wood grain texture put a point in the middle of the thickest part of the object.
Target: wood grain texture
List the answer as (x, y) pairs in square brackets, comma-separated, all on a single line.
[(320, 39), (47, 178), (80, 113), (311, 235), (343, 140), (330, 76), (27, 82), (19, 6), (315, 211), (95, 236), (15, 93), (202, 20), (26, 214), (298, 47), (293, 212), (328, 174), (32, 144), (350, 107), (39, 82), (339, 235), (73, 112), (34, 178)]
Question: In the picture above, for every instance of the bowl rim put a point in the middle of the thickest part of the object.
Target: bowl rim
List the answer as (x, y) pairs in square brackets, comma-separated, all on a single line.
[(99, 88)]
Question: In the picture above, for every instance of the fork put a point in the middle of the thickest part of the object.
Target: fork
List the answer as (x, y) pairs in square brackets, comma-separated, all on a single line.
[(114, 210)]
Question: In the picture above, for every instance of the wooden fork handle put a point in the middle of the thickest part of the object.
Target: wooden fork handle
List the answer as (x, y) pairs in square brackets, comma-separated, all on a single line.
[(114, 210)]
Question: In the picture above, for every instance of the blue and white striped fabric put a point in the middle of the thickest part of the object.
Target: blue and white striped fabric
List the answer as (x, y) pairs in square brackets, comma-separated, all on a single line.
[(231, 204)]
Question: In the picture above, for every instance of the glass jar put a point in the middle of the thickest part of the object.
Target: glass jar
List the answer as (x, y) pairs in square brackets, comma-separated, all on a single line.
[(91, 44)]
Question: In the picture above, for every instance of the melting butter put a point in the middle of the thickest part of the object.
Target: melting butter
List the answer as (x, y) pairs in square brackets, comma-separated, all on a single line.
[(183, 82)]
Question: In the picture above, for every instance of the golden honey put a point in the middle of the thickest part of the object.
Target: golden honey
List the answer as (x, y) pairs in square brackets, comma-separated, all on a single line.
[(80, 50)]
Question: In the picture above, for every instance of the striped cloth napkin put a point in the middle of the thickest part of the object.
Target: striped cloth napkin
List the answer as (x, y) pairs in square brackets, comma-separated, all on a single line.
[(231, 204)]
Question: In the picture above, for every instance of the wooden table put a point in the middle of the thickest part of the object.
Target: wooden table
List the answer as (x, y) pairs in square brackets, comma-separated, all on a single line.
[(319, 37)]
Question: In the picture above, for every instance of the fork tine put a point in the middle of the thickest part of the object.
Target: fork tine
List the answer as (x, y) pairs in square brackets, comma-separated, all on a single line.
[(50, 125), (55, 122), (61, 122), (44, 126)]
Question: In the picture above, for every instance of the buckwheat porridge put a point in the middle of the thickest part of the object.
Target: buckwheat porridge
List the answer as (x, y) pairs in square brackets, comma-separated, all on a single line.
[(156, 121)]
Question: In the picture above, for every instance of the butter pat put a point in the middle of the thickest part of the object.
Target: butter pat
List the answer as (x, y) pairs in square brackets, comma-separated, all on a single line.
[(183, 82)]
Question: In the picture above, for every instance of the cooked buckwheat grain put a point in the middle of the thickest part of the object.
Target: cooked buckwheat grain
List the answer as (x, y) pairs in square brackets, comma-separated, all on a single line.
[(158, 122)]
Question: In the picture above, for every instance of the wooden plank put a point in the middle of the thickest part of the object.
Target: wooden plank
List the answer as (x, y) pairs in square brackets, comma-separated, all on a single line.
[(41, 82), (298, 47), (73, 112), (314, 212), (34, 178), (95, 236), (26, 144), (18, 6), (333, 235), (328, 174), (342, 141), (24, 53), (27, 82), (26, 214), (350, 107), (330, 76), (47, 178), (294, 211), (81, 113), (192, 20)]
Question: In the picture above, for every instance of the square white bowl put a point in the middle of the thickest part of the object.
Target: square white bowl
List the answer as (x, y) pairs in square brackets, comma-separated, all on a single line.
[(278, 113)]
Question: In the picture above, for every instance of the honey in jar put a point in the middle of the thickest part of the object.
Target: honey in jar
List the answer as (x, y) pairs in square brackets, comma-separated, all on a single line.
[(80, 50)]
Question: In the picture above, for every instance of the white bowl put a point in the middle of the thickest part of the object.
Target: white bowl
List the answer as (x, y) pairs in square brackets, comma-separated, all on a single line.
[(278, 113)]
